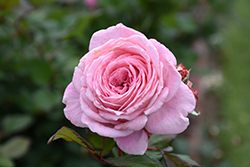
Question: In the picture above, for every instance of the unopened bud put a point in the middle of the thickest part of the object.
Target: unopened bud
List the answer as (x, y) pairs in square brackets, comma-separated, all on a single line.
[(185, 78)]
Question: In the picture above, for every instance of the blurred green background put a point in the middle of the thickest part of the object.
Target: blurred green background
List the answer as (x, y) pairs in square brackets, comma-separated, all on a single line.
[(41, 41)]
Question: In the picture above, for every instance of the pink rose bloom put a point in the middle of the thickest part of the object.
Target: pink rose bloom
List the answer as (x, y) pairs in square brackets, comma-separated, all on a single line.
[(92, 4), (126, 87)]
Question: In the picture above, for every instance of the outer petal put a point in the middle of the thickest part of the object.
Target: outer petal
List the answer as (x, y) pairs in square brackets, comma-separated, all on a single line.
[(172, 79), (114, 32), (135, 124), (77, 78), (73, 110), (171, 117), (106, 130), (136, 143), (165, 53)]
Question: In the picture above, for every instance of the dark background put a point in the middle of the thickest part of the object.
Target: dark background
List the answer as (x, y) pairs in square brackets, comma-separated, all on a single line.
[(41, 41)]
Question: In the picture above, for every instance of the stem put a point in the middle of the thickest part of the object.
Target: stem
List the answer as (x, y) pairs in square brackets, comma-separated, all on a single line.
[(154, 148), (119, 152), (99, 159)]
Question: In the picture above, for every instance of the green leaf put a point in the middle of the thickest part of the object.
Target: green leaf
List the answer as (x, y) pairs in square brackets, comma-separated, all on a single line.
[(40, 71), (115, 151), (105, 143), (15, 147), (6, 162), (70, 135), (160, 141), (177, 160), (16, 123), (45, 99), (155, 154), (133, 161)]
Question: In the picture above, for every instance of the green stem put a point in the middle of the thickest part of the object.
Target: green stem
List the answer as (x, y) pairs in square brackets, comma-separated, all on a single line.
[(154, 148)]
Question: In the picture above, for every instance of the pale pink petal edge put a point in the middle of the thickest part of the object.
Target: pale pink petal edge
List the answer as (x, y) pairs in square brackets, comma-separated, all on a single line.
[(119, 31), (135, 143), (135, 124), (73, 110), (164, 53), (171, 118)]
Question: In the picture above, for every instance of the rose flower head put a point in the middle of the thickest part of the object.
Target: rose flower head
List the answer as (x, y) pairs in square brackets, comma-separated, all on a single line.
[(126, 87), (92, 4)]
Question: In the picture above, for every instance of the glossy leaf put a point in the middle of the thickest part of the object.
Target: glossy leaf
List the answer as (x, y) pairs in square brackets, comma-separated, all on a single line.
[(177, 160), (161, 141), (70, 135), (105, 143), (133, 161)]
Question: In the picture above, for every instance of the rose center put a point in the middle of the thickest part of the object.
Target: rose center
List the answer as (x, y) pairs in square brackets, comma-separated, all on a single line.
[(120, 80)]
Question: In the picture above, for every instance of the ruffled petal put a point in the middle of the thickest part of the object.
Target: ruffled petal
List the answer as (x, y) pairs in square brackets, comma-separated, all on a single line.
[(135, 143), (171, 117), (74, 113), (73, 110), (89, 109), (119, 31)]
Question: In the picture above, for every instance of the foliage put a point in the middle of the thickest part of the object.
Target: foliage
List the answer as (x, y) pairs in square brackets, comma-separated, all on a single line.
[(100, 147), (42, 40)]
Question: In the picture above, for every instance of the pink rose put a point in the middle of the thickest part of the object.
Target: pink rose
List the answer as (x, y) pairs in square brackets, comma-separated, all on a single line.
[(92, 4), (126, 87)]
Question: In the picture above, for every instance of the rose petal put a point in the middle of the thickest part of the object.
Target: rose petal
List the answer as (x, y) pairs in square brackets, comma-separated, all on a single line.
[(106, 130), (94, 54), (89, 109), (160, 95), (124, 116), (73, 110), (172, 79), (135, 124), (114, 32), (171, 117), (136, 143), (77, 78), (164, 53), (158, 103)]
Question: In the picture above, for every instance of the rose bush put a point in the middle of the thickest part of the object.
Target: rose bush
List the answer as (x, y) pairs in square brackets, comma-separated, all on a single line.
[(127, 87)]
